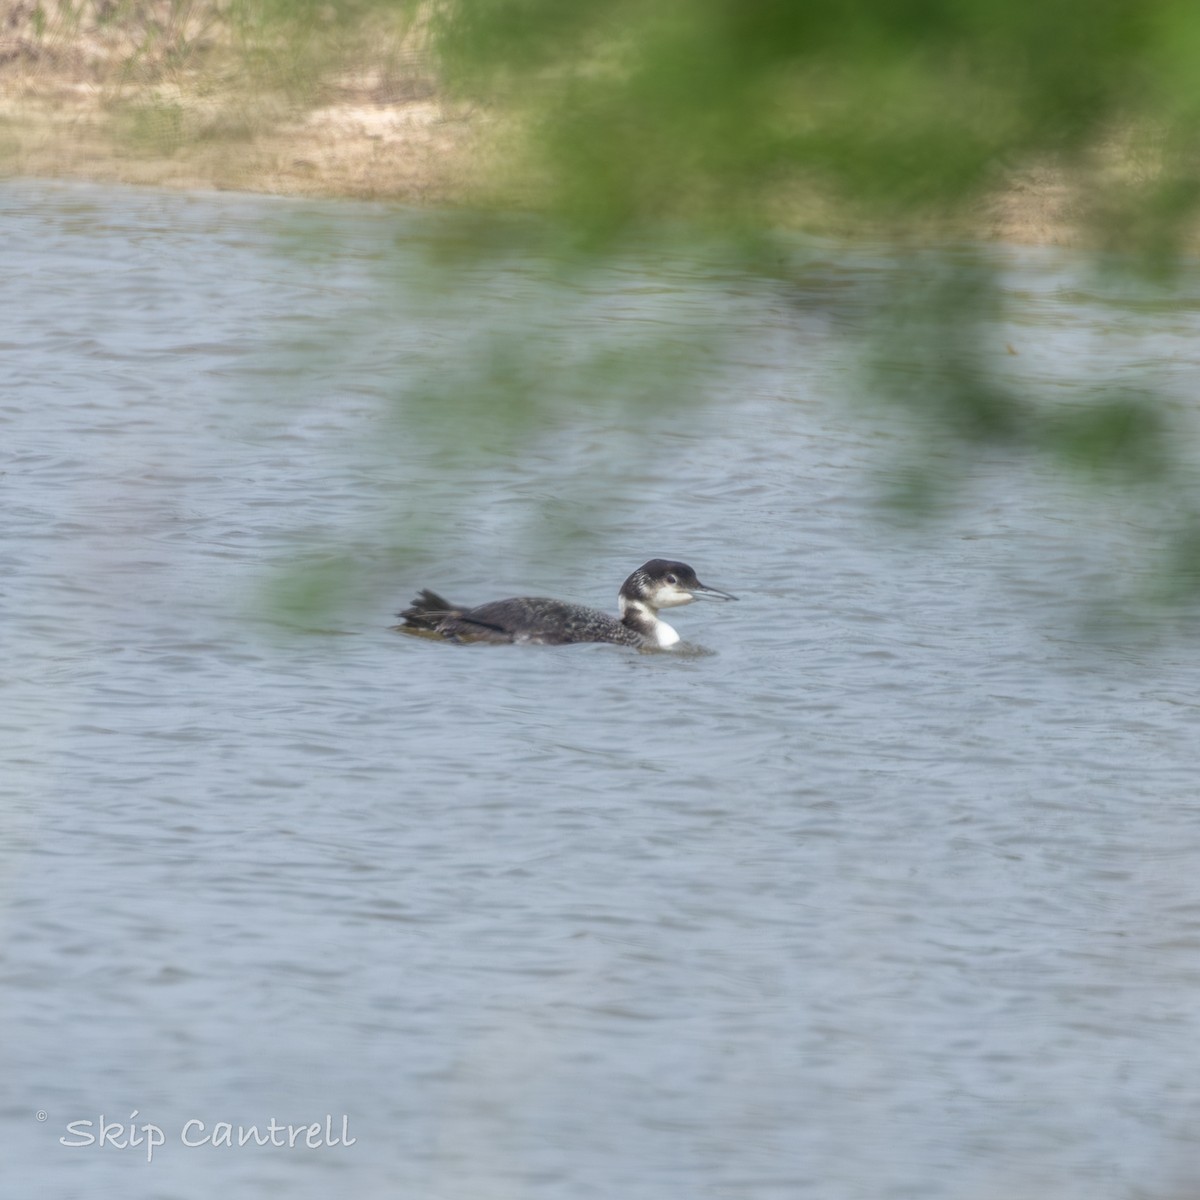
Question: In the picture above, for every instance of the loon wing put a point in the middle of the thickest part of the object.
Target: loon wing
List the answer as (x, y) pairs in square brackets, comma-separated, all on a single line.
[(529, 619), (542, 621), (525, 617)]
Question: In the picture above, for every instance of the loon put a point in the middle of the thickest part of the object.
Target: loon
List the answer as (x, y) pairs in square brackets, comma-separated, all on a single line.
[(535, 620)]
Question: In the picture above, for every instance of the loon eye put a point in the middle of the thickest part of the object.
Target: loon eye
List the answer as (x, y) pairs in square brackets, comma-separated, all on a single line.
[(672, 579)]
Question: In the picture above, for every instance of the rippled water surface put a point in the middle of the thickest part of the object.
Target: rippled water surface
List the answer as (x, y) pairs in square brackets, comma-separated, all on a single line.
[(893, 895)]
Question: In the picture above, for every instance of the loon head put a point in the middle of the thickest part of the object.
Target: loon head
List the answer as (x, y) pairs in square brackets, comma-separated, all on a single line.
[(663, 583)]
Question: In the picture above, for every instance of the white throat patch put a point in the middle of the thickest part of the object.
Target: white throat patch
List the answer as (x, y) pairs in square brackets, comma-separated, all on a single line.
[(665, 635), (660, 631)]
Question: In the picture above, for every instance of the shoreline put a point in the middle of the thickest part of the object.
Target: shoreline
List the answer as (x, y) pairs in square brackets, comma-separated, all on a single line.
[(90, 102), (196, 96), (421, 153)]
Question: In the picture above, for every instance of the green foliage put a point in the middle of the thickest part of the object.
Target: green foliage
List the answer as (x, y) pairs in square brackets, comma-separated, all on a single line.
[(650, 123), (726, 110), (892, 119)]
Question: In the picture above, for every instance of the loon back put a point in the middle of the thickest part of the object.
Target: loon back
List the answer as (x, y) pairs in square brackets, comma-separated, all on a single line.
[(532, 620)]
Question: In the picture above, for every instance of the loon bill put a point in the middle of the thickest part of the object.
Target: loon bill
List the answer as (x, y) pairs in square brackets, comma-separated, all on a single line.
[(536, 620)]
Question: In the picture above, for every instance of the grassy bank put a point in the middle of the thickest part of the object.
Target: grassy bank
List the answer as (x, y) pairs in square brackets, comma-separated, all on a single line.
[(203, 95), (186, 95)]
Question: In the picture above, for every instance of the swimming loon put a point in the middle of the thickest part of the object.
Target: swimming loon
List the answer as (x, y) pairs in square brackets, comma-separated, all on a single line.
[(535, 620)]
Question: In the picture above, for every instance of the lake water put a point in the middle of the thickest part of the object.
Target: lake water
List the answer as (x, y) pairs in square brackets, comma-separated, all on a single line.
[(894, 894)]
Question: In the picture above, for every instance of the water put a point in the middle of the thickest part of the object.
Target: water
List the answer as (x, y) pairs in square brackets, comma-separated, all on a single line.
[(893, 895)]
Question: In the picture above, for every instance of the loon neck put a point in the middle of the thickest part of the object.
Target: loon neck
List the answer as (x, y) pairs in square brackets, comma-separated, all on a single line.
[(641, 618)]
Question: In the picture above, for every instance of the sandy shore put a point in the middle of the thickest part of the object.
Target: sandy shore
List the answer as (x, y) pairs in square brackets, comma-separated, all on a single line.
[(177, 97), (417, 152), (165, 102)]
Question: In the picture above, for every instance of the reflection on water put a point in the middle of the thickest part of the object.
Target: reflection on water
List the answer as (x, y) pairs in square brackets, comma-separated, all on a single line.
[(893, 894)]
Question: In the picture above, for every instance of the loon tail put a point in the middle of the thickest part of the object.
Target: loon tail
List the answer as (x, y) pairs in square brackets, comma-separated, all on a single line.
[(427, 611)]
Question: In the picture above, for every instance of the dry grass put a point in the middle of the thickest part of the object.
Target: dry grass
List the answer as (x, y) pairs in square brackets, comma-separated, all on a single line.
[(174, 94)]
